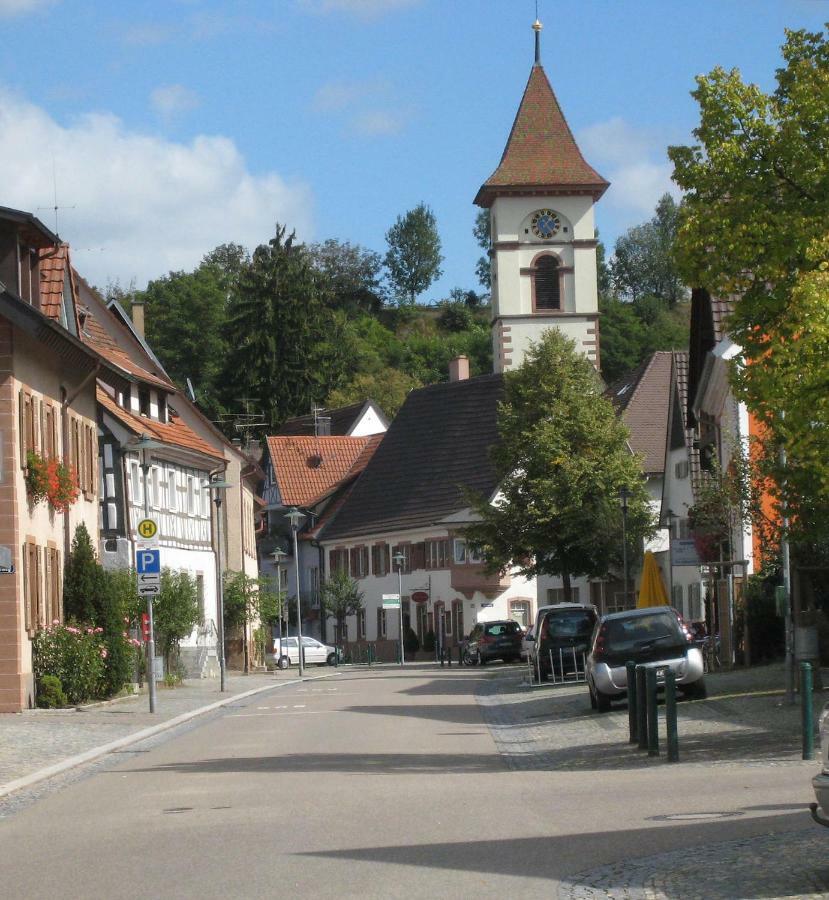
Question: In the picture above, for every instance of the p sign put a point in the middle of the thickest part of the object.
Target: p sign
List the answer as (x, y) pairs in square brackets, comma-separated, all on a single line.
[(148, 561)]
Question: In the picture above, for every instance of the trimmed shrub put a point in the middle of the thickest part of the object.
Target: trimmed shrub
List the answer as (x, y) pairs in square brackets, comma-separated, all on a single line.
[(50, 693), (411, 642)]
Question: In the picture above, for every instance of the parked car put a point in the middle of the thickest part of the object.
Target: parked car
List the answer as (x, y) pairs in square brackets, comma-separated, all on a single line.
[(563, 638), (494, 640), (286, 652), (820, 810), (652, 637)]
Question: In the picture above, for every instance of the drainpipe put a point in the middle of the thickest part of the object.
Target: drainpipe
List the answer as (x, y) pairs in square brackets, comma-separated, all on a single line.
[(66, 400), (323, 616)]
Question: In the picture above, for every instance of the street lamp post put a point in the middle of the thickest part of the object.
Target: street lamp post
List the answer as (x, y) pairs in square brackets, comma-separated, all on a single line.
[(145, 443), (278, 556), (218, 486), (295, 517), (624, 494), (399, 559)]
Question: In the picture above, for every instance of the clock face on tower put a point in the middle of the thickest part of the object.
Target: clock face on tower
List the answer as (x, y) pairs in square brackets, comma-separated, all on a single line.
[(545, 224)]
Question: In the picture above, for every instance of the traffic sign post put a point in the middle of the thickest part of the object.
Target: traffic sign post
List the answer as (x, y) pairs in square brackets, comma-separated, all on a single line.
[(148, 573)]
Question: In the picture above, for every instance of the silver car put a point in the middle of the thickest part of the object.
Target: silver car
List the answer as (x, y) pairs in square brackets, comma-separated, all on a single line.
[(820, 810), (652, 637)]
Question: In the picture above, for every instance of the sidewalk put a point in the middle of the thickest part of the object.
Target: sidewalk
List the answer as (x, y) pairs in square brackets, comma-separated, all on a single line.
[(744, 721), (36, 739)]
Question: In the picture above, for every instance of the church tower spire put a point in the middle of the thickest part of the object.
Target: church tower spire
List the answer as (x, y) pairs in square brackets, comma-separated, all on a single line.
[(543, 250)]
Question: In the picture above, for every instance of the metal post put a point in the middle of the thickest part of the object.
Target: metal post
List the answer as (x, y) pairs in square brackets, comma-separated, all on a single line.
[(220, 612), (151, 686), (653, 721), (632, 711), (400, 608), (806, 711), (624, 494), (670, 716), (787, 584), (641, 709), (294, 528), (279, 619)]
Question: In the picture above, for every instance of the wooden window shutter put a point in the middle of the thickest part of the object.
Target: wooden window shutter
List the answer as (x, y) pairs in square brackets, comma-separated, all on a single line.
[(27, 610), (353, 568), (419, 555), (21, 410), (387, 554)]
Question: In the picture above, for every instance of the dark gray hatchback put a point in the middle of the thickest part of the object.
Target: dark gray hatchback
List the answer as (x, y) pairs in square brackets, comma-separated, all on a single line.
[(494, 640)]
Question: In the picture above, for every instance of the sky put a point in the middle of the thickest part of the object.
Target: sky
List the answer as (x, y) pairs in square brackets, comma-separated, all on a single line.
[(171, 126)]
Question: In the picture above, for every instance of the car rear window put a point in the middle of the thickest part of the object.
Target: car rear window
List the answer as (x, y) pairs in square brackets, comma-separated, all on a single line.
[(570, 623), (641, 631), (499, 628)]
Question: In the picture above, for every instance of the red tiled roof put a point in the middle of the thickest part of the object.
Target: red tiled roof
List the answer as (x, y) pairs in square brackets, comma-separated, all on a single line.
[(309, 468), (175, 432), (541, 150), (52, 273), (642, 399)]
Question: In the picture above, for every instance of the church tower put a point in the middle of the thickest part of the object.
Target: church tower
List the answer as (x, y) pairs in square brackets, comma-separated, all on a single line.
[(543, 250)]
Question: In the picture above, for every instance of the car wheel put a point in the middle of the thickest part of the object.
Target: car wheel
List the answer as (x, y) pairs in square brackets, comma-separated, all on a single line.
[(469, 659), (332, 659), (695, 691), (602, 702), (284, 662)]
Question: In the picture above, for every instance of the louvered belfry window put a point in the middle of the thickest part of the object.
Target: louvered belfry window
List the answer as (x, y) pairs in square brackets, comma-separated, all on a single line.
[(547, 290)]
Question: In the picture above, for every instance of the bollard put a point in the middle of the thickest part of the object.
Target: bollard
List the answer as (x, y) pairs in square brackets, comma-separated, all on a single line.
[(670, 716), (449, 657), (806, 711), (653, 720), (441, 657), (631, 676), (641, 709)]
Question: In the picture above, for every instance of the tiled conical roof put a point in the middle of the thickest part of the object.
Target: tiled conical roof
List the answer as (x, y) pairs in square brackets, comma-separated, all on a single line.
[(541, 152)]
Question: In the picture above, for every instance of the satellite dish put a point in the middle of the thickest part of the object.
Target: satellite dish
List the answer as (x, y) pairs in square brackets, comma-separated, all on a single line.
[(190, 391)]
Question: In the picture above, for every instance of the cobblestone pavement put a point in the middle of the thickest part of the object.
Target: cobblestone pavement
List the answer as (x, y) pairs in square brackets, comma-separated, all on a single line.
[(744, 723), (37, 738)]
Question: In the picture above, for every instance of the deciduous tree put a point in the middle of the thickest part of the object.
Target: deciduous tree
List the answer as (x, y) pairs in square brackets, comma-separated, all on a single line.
[(413, 258), (341, 598), (561, 461)]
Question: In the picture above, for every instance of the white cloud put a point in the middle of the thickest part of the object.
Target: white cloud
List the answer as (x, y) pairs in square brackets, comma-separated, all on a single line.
[(9, 8), (171, 100), (147, 34), (364, 9), (362, 105), (143, 205), (634, 161)]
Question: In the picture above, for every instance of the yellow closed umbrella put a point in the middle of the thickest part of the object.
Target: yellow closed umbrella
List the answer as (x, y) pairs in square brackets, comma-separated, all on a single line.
[(652, 591)]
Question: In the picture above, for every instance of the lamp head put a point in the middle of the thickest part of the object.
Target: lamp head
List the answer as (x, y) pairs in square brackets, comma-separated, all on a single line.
[(145, 442), (295, 517)]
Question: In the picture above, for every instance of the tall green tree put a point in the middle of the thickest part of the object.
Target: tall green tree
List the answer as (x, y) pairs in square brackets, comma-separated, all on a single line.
[(643, 263), (754, 226), (413, 258), (561, 460), (285, 347), (351, 274), (341, 598)]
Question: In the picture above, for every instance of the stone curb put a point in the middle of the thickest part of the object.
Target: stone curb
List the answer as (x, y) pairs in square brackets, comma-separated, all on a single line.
[(102, 750)]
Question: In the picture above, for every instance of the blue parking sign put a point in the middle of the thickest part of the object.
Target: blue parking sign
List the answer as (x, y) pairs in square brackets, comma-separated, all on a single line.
[(148, 561)]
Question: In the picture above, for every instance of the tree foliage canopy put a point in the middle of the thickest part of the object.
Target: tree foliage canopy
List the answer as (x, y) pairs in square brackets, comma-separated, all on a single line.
[(413, 258), (561, 461), (754, 226), (341, 597)]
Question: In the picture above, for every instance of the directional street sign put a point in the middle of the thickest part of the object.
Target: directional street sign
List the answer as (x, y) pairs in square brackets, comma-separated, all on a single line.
[(148, 567), (391, 601)]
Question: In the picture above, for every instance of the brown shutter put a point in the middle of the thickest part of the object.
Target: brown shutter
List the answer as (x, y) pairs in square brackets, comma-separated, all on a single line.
[(27, 611), (419, 555), (21, 410), (387, 554)]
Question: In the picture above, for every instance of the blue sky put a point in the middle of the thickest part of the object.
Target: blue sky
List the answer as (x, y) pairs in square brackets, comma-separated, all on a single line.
[(176, 125)]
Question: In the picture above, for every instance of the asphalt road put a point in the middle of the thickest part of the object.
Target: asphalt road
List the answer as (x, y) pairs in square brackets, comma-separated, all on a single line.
[(381, 783)]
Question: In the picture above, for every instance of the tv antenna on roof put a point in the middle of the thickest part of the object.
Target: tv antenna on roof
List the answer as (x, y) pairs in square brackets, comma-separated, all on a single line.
[(56, 206), (245, 422)]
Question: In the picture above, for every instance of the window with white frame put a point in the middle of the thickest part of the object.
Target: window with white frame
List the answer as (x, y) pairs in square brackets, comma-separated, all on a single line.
[(556, 595), (361, 625), (137, 484), (191, 496), (680, 529), (676, 597), (437, 553), (681, 469), (172, 491), (459, 551), (381, 623), (155, 481)]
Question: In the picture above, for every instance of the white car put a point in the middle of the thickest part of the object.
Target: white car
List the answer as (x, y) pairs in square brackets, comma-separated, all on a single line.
[(313, 652), (820, 810)]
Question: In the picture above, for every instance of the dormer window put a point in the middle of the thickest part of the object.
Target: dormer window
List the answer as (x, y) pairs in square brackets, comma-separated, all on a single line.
[(162, 408), (144, 401), (546, 278)]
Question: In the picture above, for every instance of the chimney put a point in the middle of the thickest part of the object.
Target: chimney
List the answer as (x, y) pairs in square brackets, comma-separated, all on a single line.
[(137, 313), (459, 368)]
